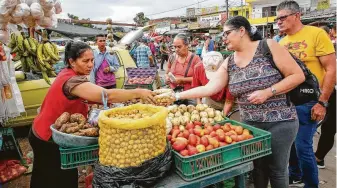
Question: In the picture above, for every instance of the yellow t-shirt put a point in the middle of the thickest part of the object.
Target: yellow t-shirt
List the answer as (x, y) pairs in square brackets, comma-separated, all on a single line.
[(308, 44)]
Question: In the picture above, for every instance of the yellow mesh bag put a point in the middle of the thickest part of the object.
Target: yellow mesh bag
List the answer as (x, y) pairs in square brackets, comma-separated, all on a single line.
[(126, 142)]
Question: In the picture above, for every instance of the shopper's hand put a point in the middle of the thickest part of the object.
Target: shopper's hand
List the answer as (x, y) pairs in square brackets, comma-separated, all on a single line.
[(318, 112), (167, 79), (179, 80), (106, 69), (146, 95), (259, 97)]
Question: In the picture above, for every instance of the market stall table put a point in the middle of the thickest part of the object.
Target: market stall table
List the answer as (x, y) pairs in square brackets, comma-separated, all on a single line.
[(173, 180)]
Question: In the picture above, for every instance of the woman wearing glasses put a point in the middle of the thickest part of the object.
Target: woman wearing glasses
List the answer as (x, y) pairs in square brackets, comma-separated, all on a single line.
[(260, 93)]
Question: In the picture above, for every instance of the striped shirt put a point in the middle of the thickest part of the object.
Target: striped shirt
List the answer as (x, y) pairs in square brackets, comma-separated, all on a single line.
[(142, 55)]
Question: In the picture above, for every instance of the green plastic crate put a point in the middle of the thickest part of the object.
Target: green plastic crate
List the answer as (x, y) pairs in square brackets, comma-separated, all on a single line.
[(79, 156), (203, 164), (10, 148)]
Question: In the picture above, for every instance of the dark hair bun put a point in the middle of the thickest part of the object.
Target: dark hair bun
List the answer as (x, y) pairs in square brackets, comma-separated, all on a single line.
[(74, 50)]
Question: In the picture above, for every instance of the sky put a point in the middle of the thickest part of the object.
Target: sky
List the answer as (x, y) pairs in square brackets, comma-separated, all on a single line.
[(125, 10)]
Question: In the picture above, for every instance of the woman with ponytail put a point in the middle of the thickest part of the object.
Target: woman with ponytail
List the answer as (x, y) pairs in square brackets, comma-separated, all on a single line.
[(68, 93), (260, 91)]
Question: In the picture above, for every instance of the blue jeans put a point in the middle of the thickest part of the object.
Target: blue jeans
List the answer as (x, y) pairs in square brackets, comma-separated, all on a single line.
[(302, 162)]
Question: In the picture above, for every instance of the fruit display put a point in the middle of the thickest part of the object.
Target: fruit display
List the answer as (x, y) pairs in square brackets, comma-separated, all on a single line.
[(131, 135), (180, 115), (33, 55), (75, 124), (194, 138), (140, 80)]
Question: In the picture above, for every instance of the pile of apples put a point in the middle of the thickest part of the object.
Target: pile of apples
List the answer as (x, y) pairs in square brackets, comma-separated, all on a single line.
[(196, 138), (141, 80)]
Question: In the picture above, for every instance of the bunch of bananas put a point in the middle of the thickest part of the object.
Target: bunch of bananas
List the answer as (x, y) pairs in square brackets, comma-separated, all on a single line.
[(39, 57)]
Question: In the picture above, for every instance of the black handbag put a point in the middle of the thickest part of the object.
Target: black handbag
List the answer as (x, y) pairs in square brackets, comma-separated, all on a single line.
[(305, 92)]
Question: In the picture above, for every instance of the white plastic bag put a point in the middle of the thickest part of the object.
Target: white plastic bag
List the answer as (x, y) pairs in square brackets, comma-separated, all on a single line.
[(3, 26), (6, 6), (4, 35), (36, 11), (58, 7), (21, 10), (47, 5), (5, 18), (54, 20), (15, 20), (49, 13), (45, 22), (29, 2), (29, 21)]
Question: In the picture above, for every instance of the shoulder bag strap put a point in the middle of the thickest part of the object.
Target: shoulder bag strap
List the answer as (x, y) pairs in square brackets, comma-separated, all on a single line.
[(189, 65)]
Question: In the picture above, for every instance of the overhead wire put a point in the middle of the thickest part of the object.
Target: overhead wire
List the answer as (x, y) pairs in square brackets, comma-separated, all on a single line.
[(177, 8)]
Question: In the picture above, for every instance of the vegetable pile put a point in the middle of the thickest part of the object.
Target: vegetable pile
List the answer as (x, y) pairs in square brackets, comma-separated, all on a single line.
[(141, 80), (180, 115), (196, 137), (75, 124), (131, 135)]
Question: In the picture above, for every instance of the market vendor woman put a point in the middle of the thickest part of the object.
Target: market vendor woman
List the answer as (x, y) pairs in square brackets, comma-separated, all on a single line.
[(67, 94)]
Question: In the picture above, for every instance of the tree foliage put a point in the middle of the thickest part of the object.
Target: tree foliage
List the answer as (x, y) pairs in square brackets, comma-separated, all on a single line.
[(71, 16), (140, 19)]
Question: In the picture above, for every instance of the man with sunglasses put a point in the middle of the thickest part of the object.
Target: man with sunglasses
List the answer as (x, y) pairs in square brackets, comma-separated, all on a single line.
[(314, 48)]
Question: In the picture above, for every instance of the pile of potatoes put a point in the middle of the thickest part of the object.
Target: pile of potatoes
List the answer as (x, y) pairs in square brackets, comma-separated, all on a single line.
[(75, 124)]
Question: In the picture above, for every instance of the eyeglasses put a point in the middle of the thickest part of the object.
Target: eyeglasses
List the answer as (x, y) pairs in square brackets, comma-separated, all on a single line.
[(226, 33), (282, 18)]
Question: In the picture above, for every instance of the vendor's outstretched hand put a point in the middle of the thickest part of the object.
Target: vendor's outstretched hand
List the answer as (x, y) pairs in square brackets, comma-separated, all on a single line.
[(146, 95)]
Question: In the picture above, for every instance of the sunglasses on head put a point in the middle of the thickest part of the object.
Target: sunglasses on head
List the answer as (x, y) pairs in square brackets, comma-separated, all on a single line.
[(282, 18)]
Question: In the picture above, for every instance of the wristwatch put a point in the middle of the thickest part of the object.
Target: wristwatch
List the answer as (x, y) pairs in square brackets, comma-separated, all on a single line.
[(324, 104), (177, 96)]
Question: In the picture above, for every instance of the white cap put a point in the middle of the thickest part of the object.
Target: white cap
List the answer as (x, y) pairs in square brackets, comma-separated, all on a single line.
[(207, 34), (212, 61)]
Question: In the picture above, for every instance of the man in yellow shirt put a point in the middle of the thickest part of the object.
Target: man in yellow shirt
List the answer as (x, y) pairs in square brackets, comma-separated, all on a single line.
[(314, 48)]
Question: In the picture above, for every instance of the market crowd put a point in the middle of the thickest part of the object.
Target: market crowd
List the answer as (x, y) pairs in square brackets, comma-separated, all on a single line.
[(256, 78)]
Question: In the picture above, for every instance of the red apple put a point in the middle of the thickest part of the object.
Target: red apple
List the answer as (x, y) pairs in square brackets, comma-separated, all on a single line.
[(206, 132), (216, 127), (184, 152), (197, 123), (192, 150), (201, 148), (204, 141), (209, 128), (213, 134), (199, 132), (186, 134), (192, 140), (189, 125), (179, 145), (209, 147), (223, 144), (191, 131)]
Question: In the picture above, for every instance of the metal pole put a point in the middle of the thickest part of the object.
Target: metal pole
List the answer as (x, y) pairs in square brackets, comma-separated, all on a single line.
[(241, 8), (227, 9)]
